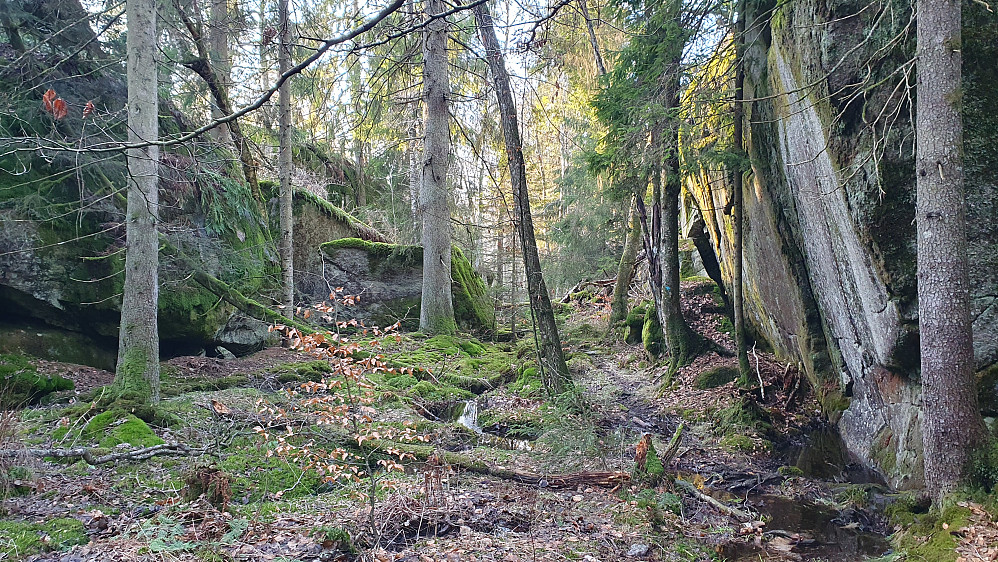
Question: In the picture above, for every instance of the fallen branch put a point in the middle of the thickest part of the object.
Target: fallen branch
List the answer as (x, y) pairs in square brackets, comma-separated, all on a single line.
[(424, 453), (87, 454), (742, 516)]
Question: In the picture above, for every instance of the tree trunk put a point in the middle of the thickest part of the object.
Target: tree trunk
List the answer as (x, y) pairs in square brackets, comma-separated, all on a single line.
[(952, 424), (625, 269), (600, 67), (737, 215), (415, 177), (137, 372), (284, 165), (360, 188), (218, 43), (683, 342), (203, 67), (551, 356), (436, 311)]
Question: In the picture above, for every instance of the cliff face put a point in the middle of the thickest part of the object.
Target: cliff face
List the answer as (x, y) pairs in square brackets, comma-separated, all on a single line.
[(830, 203)]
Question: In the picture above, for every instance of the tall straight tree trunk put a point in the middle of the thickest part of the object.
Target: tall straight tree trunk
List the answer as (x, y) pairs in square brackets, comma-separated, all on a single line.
[(738, 206), (284, 164), (683, 342), (552, 358), (360, 188), (415, 176), (625, 269), (436, 311), (600, 67), (266, 113), (137, 373), (218, 43), (952, 424)]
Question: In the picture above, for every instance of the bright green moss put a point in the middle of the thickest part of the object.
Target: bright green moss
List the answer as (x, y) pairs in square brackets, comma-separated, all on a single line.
[(110, 428), (651, 334), (528, 383), (437, 393), (22, 539), (20, 383)]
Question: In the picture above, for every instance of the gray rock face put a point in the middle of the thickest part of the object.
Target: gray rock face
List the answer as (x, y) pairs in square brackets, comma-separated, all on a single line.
[(829, 207)]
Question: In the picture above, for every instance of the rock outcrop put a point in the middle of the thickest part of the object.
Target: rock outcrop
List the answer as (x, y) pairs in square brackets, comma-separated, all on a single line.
[(829, 207)]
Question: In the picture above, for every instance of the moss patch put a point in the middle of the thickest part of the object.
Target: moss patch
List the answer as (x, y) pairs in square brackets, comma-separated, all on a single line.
[(110, 429), (23, 539)]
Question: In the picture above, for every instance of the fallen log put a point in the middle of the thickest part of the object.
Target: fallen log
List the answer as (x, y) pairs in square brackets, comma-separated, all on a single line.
[(457, 461), (88, 454)]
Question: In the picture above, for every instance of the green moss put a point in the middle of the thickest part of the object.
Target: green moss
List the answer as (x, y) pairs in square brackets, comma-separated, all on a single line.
[(984, 465), (716, 377), (256, 476), (653, 471), (436, 393), (657, 504), (516, 424), (738, 442), (110, 428), (790, 471), (635, 322), (472, 306), (528, 383), (130, 382), (652, 336), (933, 536), (191, 313), (22, 539), (20, 383)]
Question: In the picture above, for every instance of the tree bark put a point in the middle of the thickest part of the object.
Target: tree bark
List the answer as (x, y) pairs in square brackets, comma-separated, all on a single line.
[(551, 356), (625, 269), (952, 423), (737, 188), (284, 164), (683, 342), (436, 311), (218, 42), (137, 372)]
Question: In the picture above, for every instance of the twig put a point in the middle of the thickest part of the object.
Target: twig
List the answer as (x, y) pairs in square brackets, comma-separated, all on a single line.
[(742, 516)]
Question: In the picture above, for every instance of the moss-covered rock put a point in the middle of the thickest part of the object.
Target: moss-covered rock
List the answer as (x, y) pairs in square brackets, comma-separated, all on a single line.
[(652, 336), (716, 377), (20, 383)]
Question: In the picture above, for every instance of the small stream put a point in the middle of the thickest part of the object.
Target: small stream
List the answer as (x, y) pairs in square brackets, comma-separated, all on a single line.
[(467, 416), (814, 532)]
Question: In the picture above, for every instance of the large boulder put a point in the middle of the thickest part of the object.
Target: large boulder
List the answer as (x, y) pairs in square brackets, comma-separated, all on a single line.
[(62, 223), (388, 280)]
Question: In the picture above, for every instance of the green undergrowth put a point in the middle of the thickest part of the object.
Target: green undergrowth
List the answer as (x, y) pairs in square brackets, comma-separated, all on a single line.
[(447, 366), (516, 423), (19, 539), (257, 477), (20, 383)]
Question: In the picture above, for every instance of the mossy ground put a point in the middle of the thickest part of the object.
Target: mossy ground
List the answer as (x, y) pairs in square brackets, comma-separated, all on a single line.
[(22, 539)]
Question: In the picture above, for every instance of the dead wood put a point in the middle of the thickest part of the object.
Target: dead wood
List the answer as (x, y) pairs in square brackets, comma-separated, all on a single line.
[(88, 454)]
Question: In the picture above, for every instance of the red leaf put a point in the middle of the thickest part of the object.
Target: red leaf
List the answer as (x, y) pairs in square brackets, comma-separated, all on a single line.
[(88, 109), (47, 98), (59, 109)]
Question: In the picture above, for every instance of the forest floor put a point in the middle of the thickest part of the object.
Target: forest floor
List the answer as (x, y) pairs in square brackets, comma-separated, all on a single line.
[(472, 417)]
